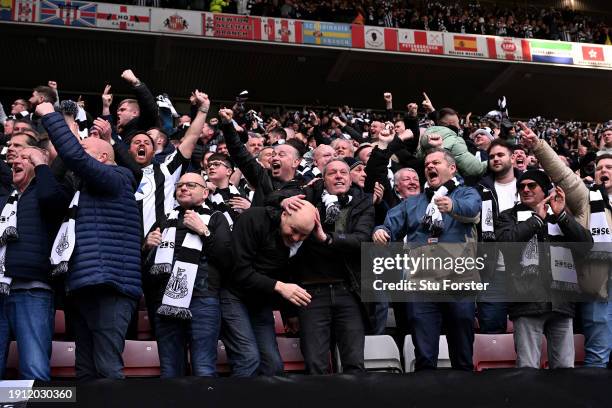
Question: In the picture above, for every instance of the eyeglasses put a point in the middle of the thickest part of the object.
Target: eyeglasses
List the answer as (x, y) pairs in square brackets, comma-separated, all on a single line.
[(191, 185), (531, 186), (217, 164)]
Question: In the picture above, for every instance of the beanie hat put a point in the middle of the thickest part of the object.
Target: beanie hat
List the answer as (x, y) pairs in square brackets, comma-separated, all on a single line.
[(539, 177), (352, 162), (483, 132)]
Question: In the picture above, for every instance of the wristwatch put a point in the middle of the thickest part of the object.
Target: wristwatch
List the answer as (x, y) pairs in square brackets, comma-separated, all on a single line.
[(206, 233)]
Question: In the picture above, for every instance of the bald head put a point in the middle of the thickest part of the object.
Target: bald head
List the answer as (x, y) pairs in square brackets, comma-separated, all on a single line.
[(298, 225), (191, 190), (99, 149)]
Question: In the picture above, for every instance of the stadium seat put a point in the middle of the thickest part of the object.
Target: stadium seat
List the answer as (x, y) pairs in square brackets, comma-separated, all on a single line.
[(144, 326), (381, 354), (509, 326), (223, 366), (63, 359), (443, 355), (12, 362), (279, 326), (140, 359), (291, 354), (579, 347), (60, 325), (494, 351), (409, 357)]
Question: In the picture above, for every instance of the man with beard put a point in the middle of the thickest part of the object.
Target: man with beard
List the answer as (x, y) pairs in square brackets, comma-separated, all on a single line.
[(155, 192), (328, 267), (283, 174), (133, 115), (446, 212), (591, 208), (498, 192)]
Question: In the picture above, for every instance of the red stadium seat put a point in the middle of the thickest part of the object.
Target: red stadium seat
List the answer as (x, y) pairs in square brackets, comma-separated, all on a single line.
[(60, 325), (63, 359), (291, 354), (579, 347), (144, 326), (140, 359), (223, 366), (279, 326), (12, 362), (509, 326), (494, 351)]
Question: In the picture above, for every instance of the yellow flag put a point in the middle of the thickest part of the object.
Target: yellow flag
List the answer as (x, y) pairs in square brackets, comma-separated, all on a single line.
[(608, 42)]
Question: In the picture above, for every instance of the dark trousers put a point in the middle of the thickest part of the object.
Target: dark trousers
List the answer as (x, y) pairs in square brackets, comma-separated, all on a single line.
[(200, 334), (458, 318), (333, 311), (100, 324)]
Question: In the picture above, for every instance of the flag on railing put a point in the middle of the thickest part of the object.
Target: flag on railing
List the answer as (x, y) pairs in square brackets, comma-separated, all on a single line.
[(375, 38)]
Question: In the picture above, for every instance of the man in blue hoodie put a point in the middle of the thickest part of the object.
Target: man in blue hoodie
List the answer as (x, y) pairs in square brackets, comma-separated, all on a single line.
[(104, 269)]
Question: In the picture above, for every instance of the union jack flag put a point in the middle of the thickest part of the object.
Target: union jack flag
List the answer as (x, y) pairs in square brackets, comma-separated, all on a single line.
[(69, 13)]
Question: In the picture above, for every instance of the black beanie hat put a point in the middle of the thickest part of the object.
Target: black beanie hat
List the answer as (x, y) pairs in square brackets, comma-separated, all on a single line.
[(539, 177)]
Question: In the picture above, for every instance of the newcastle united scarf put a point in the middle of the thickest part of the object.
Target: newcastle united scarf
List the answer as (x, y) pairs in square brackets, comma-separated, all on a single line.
[(486, 225), (333, 205), (155, 194), (8, 233), (184, 269), (65, 240), (432, 220), (218, 203), (598, 225), (562, 266)]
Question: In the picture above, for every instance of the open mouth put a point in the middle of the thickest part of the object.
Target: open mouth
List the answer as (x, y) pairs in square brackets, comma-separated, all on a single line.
[(17, 170), (604, 178), (275, 165), (519, 162), (141, 152), (432, 174)]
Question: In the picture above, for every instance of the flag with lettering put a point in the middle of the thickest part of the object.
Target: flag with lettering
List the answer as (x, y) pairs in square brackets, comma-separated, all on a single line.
[(593, 55), (278, 29), (465, 45), (554, 52), (422, 42), (329, 34), (506, 48), (122, 17)]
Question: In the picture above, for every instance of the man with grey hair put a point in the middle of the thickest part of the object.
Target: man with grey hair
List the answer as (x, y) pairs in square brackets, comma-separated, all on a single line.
[(407, 183), (322, 155), (343, 148)]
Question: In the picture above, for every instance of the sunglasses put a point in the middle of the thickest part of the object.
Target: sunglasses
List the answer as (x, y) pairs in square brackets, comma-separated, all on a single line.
[(531, 186), (190, 185)]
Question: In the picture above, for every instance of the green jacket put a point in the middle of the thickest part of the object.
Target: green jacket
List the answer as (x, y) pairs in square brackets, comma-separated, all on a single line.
[(468, 165)]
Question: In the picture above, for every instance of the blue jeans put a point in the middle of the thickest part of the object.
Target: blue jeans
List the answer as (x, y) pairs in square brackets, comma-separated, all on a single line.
[(597, 328), (200, 334), (492, 312), (427, 324), (249, 338), (101, 320), (29, 316)]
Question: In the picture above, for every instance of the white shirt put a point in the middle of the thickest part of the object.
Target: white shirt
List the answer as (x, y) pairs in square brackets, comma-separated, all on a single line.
[(506, 195)]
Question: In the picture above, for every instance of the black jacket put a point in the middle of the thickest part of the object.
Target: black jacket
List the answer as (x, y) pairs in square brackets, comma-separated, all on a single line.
[(149, 114), (260, 178), (215, 261), (260, 256), (508, 229)]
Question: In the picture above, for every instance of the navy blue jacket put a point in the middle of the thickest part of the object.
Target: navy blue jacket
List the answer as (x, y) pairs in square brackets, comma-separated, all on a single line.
[(108, 230), (39, 215)]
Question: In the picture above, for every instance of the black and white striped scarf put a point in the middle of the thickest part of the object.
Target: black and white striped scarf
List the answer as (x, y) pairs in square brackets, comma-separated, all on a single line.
[(65, 240), (598, 224), (487, 216), (184, 269), (218, 203), (8, 233), (432, 221)]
